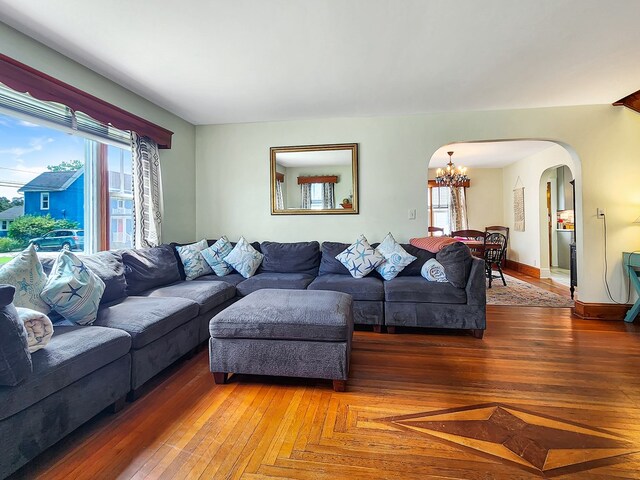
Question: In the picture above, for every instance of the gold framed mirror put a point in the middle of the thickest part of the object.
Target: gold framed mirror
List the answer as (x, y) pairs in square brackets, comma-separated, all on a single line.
[(314, 179)]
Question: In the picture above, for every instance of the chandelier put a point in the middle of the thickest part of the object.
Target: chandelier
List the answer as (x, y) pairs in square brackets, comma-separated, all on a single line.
[(451, 176)]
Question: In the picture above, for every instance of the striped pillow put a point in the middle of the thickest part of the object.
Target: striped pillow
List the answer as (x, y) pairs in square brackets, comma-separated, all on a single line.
[(432, 244)]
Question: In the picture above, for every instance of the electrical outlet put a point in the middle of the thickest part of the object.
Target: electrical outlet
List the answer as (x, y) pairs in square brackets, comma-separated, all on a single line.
[(412, 214), (600, 213)]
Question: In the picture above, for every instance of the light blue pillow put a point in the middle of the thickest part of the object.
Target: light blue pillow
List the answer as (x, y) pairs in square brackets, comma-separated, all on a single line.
[(433, 271), (215, 254), (244, 258), (73, 290), (396, 258), (360, 258), (194, 263), (25, 273)]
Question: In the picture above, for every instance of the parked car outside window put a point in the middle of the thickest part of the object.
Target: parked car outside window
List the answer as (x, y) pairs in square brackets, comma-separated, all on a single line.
[(67, 239)]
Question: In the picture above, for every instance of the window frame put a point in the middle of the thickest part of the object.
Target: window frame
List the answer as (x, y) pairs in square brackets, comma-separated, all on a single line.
[(44, 195)]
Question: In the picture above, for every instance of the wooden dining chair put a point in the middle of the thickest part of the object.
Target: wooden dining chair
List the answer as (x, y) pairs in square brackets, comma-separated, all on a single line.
[(469, 234), (495, 244), (435, 231), (505, 232)]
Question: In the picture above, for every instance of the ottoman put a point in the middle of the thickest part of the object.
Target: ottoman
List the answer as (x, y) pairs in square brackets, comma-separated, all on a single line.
[(292, 333)]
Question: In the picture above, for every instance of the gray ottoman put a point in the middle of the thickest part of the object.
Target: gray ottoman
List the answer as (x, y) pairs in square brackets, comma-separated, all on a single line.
[(292, 333)]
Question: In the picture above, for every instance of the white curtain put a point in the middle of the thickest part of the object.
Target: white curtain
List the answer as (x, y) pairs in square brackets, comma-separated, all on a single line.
[(305, 195), (279, 196), (328, 195), (458, 209), (147, 192)]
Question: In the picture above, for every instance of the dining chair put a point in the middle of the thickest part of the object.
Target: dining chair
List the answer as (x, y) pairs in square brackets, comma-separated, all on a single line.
[(435, 231), (505, 232), (495, 244), (469, 234)]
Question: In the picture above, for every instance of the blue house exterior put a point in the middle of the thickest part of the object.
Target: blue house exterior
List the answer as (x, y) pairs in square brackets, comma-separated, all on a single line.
[(59, 194)]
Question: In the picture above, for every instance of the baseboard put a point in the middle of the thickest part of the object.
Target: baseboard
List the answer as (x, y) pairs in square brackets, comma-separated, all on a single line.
[(600, 311), (522, 268)]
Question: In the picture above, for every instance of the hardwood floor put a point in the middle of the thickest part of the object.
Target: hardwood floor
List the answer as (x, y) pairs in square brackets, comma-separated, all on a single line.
[(543, 395)]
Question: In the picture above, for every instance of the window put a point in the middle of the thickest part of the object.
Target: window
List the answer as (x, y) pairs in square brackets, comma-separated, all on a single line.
[(4, 225), (45, 146), (439, 207), (44, 201), (316, 196)]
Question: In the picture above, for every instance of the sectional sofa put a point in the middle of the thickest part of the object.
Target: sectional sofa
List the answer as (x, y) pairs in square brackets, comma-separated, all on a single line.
[(149, 317)]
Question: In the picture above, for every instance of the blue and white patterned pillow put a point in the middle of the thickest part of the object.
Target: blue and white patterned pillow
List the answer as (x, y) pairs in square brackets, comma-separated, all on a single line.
[(360, 258), (73, 290), (244, 258), (215, 255), (433, 271), (194, 263), (25, 273), (396, 258)]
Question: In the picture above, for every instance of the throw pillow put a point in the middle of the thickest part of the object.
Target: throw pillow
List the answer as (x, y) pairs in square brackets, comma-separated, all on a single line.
[(396, 258), (360, 258), (25, 273), (456, 260), (215, 254), (38, 326), (194, 263), (15, 360), (244, 258), (73, 290), (432, 244), (433, 271)]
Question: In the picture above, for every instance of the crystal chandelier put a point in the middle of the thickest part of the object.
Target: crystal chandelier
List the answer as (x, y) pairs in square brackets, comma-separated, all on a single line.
[(451, 176)]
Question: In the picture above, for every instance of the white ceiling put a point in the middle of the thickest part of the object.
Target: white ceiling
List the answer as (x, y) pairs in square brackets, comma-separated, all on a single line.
[(223, 61), (324, 158), (488, 154)]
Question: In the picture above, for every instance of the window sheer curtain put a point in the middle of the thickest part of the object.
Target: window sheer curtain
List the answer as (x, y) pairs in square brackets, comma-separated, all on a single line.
[(305, 195), (458, 209), (279, 196), (328, 195), (147, 192)]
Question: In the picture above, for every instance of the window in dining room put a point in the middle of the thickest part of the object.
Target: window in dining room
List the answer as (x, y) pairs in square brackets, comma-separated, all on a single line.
[(438, 199)]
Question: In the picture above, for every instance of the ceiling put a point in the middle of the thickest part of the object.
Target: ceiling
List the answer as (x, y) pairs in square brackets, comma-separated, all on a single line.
[(221, 61), (320, 158), (488, 154)]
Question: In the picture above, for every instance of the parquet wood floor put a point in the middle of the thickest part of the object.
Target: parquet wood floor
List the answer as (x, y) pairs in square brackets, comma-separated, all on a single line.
[(543, 395)]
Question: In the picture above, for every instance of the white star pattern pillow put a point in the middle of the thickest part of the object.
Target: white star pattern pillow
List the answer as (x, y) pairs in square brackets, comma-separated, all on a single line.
[(244, 258), (360, 258)]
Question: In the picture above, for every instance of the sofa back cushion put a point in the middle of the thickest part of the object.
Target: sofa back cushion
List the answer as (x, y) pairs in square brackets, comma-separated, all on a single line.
[(328, 263), (456, 260), (110, 268), (414, 268), (299, 257), (15, 360), (147, 268)]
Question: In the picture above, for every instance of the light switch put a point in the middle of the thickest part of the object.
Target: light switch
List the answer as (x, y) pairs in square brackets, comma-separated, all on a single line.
[(412, 214)]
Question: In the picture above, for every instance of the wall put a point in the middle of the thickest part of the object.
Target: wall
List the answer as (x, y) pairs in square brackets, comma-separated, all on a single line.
[(178, 164), (484, 197), (232, 162)]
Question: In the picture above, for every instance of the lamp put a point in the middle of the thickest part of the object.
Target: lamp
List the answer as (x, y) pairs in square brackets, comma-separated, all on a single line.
[(451, 176)]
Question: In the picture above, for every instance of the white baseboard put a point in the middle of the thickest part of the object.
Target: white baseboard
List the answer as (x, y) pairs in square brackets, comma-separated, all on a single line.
[(545, 273)]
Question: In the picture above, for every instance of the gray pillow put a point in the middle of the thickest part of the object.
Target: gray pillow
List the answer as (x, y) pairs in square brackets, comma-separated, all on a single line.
[(15, 359), (299, 257), (148, 268), (414, 269), (456, 260), (110, 268)]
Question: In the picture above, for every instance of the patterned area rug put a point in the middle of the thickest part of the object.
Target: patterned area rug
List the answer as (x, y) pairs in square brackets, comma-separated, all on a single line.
[(522, 293)]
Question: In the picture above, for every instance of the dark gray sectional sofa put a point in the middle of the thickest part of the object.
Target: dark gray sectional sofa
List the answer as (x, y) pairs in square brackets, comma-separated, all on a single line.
[(150, 316)]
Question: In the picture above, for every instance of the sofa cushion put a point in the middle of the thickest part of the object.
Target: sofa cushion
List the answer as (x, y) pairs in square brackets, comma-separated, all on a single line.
[(110, 268), (456, 260), (232, 279), (210, 242), (396, 258), (145, 318), (360, 258), (72, 353), (414, 268), (286, 314), (368, 288), (193, 262), (214, 255), (299, 257), (295, 281), (15, 360), (244, 258), (147, 268), (419, 290), (328, 261), (208, 295), (24, 271)]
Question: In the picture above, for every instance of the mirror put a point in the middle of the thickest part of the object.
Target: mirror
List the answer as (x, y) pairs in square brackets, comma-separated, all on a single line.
[(314, 179)]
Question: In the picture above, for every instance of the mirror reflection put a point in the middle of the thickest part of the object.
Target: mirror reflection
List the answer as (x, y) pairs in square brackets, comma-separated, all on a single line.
[(314, 179)]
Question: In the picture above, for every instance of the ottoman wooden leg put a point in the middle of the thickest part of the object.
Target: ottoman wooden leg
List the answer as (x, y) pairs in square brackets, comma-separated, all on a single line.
[(339, 385), (377, 328), (220, 377), (391, 329), (477, 332)]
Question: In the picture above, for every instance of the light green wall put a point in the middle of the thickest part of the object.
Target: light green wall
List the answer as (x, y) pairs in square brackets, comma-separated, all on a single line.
[(232, 162), (178, 164)]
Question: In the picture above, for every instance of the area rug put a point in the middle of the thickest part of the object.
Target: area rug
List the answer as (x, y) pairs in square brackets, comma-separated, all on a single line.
[(524, 294)]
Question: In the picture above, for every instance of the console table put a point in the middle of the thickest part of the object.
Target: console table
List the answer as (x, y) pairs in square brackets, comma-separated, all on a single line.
[(631, 261)]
